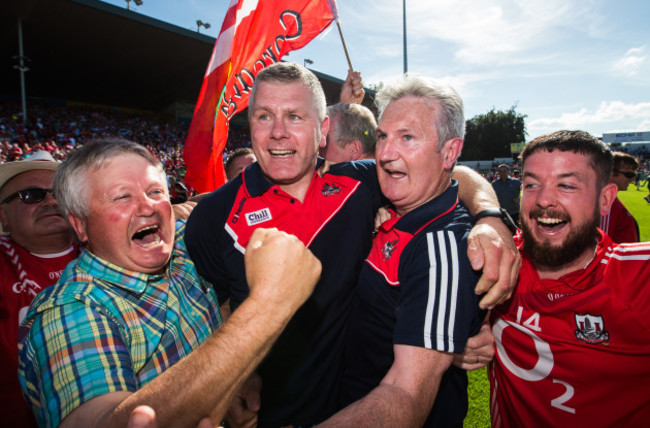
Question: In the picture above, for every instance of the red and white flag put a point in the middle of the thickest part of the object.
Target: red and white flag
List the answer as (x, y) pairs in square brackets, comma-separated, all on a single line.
[(254, 35)]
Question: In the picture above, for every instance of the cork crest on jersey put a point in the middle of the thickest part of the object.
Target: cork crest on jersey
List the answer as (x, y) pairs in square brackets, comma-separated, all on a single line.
[(388, 248), (591, 329), (330, 189)]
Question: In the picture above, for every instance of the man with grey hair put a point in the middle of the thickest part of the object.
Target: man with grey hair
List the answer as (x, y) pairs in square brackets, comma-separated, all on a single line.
[(352, 133), (416, 304), (130, 322), (332, 213)]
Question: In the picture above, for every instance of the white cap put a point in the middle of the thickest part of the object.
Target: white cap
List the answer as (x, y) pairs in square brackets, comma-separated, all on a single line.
[(40, 159)]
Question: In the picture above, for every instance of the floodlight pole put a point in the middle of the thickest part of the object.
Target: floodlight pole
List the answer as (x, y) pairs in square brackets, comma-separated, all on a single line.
[(22, 69), (200, 24), (406, 67), (128, 3)]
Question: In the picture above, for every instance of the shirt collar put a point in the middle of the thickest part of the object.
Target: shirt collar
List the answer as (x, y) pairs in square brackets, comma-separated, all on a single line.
[(579, 279), (256, 183), (108, 272), (127, 279)]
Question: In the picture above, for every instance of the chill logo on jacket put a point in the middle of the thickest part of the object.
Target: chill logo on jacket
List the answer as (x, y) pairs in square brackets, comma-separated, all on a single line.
[(259, 216)]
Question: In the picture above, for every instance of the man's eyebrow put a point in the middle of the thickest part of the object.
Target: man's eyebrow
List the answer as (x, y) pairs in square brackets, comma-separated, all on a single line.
[(260, 107), (398, 131), (289, 110), (569, 174), (564, 175)]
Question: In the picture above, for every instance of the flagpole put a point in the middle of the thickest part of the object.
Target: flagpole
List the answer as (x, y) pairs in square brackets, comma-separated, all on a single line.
[(345, 48), (335, 11), (406, 67)]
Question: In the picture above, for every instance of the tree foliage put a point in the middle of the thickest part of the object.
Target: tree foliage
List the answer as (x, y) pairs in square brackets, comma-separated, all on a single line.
[(376, 86), (489, 135)]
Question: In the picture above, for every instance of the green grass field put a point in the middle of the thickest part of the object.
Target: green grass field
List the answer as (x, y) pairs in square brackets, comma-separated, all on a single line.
[(478, 414), (639, 208)]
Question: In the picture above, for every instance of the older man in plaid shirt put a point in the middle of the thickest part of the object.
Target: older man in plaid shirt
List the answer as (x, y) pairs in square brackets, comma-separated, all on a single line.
[(103, 340)]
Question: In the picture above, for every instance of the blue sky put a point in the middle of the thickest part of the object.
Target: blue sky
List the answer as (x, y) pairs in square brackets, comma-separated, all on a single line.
[(566, 64)]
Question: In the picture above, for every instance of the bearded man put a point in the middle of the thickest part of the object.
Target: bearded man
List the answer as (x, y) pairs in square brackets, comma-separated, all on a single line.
[(572, 345)]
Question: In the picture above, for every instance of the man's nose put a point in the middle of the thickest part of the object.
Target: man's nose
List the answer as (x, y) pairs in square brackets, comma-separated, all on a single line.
[(50, 199), (546, 197), (386, 151), (279, 129), (145, 206)]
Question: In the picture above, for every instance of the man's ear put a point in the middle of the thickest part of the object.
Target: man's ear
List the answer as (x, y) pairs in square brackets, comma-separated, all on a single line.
[(355, 150), (451, 150), (606, 198), (324, 127), (79, 226)]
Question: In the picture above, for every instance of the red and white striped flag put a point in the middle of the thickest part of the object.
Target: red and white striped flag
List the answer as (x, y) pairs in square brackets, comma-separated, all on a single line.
[(254, 35)]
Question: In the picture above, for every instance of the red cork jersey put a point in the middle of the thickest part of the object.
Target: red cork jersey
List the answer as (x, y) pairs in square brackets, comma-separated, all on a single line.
[(575, 351), (619, 224), (22, 276)]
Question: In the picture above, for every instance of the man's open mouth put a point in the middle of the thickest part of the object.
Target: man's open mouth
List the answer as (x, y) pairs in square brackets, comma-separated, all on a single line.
[(550, 224), (394, 173), (147, 236)]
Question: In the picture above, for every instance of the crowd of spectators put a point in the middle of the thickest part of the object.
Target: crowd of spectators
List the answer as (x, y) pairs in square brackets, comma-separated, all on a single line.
[(639, 150), (59, 129)]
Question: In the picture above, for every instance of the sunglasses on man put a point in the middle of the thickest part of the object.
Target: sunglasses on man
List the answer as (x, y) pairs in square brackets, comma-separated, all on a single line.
[(35, 195), (628, 174)]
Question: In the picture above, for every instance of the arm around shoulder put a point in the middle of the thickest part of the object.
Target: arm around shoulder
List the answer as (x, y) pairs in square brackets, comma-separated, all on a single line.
[(491, 246)]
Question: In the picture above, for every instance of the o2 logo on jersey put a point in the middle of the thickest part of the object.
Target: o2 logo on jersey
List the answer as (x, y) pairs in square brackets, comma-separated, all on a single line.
[(591, 329), (545, 361)]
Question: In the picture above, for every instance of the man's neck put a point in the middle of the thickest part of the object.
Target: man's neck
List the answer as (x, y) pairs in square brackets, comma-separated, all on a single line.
[(298, 189), (445, 183), (50, 244)]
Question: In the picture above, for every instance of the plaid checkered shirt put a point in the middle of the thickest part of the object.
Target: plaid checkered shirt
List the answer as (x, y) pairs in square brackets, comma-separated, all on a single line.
[(103, 329)]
